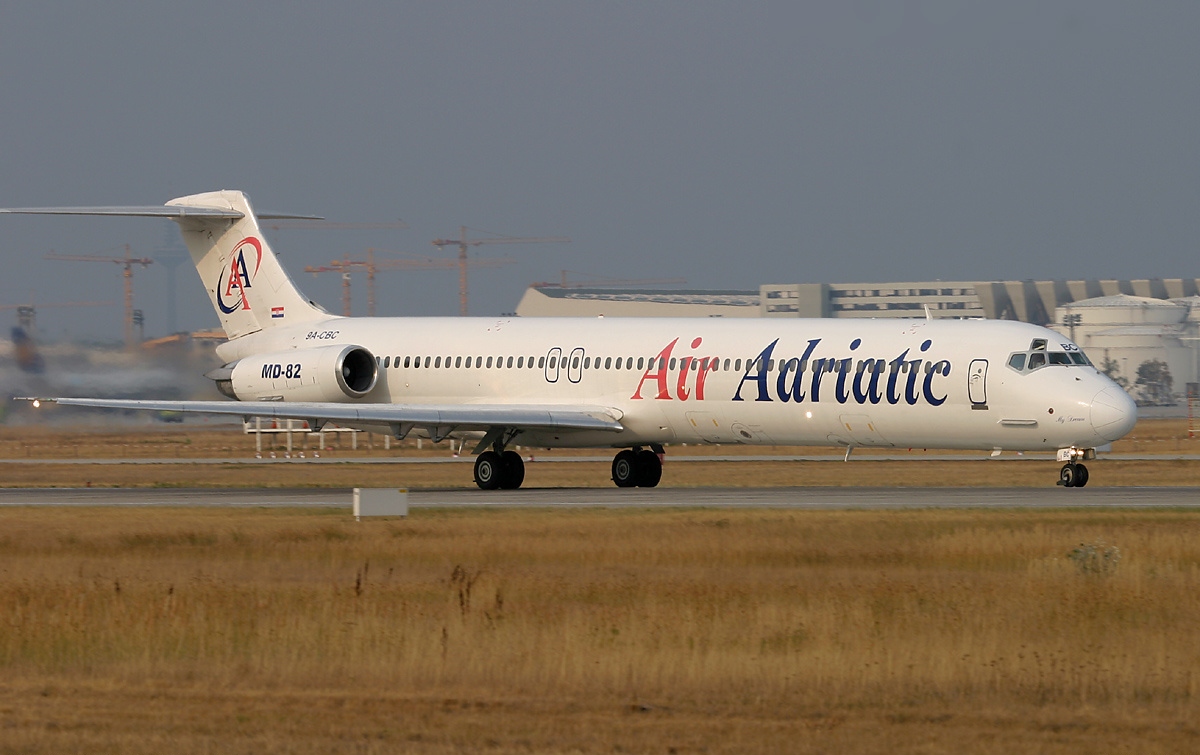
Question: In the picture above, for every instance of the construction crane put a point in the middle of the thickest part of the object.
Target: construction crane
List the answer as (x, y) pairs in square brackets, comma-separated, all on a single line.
[(346, 265), (127, 262), (595, 281), (462, 242)]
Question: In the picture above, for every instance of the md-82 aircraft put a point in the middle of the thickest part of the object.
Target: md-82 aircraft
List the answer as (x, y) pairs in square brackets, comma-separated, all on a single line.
[(634, 384)]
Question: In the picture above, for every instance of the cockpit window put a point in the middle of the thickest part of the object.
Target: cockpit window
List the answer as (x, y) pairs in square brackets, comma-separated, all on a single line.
[(1027, 361), (1038, 344)]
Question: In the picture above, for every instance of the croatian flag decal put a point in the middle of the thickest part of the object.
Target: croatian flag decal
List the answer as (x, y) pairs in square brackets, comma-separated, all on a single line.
[(276, 312)]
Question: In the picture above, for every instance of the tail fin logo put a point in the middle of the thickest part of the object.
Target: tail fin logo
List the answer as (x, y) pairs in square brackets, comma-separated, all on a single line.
[(238, 276)]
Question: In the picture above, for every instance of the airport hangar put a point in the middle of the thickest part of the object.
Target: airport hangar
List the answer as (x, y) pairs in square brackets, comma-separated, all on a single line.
[(1121, 324)]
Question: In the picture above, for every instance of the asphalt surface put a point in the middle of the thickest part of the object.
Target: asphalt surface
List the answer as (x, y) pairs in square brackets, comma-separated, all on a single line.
[(298, 458), (792, 498)]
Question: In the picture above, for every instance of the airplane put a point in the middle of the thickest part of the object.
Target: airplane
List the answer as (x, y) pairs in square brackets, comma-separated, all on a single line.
[(633, 384)]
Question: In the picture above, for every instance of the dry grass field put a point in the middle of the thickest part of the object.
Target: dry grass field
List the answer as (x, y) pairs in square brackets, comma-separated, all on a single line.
[(198, 631)]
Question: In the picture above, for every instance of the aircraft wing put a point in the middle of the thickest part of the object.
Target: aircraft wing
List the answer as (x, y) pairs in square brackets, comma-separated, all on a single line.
[(439, 419)]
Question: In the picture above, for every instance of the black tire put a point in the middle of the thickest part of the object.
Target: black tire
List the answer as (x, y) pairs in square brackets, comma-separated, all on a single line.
[(649, 469), (1081, 475), (489, 470), (625, 469), (514, 470), (1066, 476)]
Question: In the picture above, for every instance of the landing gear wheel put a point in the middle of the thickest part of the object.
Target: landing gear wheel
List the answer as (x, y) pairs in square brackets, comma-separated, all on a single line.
[(649, 469), (513, 470), (1068, 476), (625, 469), (489, 470), (1081, 475)]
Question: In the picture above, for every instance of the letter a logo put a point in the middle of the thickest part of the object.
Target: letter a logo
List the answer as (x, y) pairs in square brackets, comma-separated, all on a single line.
[(239, 277)]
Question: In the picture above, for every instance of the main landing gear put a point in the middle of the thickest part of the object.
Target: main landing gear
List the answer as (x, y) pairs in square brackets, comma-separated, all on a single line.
[(637, 467), (1074, 474), (499, 471)]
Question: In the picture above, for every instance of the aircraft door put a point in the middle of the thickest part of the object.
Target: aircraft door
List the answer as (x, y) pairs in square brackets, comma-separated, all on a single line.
[(553, 364), (977, 383), (575, 365)]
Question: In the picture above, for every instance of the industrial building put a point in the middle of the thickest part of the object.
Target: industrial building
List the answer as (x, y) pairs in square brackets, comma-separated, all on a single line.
[(1124, 325)]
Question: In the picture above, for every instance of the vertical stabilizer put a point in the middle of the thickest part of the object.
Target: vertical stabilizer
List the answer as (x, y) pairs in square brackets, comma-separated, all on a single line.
[(249, 289)]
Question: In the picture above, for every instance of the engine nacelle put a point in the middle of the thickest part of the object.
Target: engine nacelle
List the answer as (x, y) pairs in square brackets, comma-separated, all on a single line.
[(328, 373)]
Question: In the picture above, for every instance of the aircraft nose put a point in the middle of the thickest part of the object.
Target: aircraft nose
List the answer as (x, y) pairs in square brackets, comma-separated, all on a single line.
[(1113, 413)]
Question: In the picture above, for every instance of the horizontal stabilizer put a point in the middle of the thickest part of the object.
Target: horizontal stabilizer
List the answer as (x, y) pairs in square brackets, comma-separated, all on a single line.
[(174, 212)]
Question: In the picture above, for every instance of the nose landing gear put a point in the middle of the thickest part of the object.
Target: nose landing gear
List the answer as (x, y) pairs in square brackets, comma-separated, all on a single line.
[(1074, 474)]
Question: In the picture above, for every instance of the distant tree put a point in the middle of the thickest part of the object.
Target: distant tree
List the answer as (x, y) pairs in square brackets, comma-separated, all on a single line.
[(1154, 379), (1111, 368)]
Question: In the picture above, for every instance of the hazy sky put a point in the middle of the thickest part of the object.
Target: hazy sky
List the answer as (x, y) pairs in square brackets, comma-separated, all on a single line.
[(729, 143)]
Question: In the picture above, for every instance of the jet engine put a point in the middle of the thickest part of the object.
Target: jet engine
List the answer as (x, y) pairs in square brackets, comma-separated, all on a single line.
[(328, 373)]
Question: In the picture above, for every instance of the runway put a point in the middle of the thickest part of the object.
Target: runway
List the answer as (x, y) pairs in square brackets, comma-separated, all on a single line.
[(790, 498)]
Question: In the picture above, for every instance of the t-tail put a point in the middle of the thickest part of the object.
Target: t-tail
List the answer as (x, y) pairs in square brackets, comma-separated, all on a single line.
[(249, 289)]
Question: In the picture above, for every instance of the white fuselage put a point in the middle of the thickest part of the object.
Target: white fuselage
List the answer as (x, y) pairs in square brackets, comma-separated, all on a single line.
[(903, 383)]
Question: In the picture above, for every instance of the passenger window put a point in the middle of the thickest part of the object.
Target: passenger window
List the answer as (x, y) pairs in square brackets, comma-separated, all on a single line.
[(510, 362), (641, 362), (726, 368), (457, 362), (1037, 359), (407, 362), (387, 362), (437, 362), (737, 365), (587, 363), (541, 362), (1017, 362), (575, 363), (489, 363), (520, 362)]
